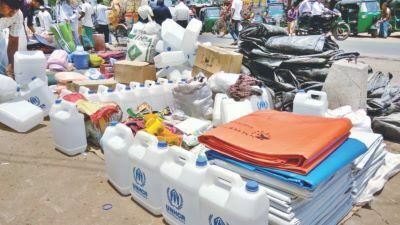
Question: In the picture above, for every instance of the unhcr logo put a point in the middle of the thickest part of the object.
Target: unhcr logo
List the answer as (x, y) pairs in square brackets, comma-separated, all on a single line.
[(36, 101), (262, 105), (216, 221), (139, 176), (140, 182), (176, 201)]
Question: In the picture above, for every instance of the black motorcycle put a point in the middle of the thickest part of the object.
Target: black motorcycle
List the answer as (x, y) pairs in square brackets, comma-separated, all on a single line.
[(328, 22)]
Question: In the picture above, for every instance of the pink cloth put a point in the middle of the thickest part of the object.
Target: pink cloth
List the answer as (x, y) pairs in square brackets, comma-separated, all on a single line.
[(58, 61)]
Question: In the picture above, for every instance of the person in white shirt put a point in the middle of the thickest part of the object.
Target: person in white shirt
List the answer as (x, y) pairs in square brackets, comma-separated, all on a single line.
[(182, 14), (102, 20), (305, 8), (145, 12), (318, 8), (45, 19), (237, 6), (66, 13), (10, 17), (87, 24)]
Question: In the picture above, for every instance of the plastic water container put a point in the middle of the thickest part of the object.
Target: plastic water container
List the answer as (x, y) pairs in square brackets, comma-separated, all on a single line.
[(20, 115), (160, 46), (89, 94), (109, 96), (68, 127), (80, 58), (143, 95), (226, 199), (28, 64), (217, 108), (39, 94), (158, 95), (232, 110), (172, 34), (116, 141), (169, 59), (146, 156), (8, 89), (119, 87), (312, 103), (128, 100), (261, 102), (134, 84), (191, 35), (182, 176)]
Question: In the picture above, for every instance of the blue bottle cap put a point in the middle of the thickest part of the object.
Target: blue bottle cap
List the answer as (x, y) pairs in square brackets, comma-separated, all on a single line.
[(162, 144), (113, 123), (157, 83), (128, 88), (170, 82), (90, 92), (110, 90), (201, 161), (252, 186), (18, 89), (301, 91), (141, 85), (58, 101), (34, 78), (169, 49)]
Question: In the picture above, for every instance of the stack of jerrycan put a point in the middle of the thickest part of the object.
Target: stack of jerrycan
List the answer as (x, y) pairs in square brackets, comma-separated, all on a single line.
[(182, 176), (145, 158), (28, 64), (68, 128), (39, 94), (116, 141)]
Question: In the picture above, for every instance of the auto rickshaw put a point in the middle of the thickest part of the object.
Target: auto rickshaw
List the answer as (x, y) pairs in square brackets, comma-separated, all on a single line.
[(394, 6), (361, 15), (209, 16)]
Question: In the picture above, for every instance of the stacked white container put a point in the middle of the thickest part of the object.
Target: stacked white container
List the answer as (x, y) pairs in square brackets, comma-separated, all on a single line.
[(20, 115), (128, 100), (146, 156), (28, 64), (115, 143), (68, 128), (226, 199), (182, 177)]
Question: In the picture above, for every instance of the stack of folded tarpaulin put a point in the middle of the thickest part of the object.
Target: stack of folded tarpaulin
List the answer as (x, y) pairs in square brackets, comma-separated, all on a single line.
[(304, 162), (288, 63)]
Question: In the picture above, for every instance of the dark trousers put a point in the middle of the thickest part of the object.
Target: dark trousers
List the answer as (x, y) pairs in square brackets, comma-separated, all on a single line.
[(183, 23), (103, 29), (234, 29)]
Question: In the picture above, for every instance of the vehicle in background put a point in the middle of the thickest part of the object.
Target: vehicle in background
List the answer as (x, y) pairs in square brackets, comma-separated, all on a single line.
[(361, 15), (394, 6), (276, 14), (209, 16)]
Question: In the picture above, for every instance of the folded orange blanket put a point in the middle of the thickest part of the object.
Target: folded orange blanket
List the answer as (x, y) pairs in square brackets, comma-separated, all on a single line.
[(279, 140)]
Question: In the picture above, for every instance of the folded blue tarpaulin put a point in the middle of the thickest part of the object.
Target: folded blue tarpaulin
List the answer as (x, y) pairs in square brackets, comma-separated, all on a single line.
[(342, 156)]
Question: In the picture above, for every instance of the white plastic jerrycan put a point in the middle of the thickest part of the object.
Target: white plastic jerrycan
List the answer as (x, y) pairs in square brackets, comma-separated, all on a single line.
[(89, 94), (116, 141), (232, 110), (8, 89), (119, 87), (172, 34), (191, 35), (143, 94), (170, 59), (158, 94), (217, 108), (68, 128), (39, 94), (226, 199), (110, 96), (146, 156), (312, 103), (182, 177), (128, 100)]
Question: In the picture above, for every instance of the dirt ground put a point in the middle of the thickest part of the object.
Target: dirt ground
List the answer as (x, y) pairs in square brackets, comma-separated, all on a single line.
[(39, 185)]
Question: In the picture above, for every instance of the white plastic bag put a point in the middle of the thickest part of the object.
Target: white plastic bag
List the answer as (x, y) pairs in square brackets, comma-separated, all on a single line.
[(8, 88), (220, 82)]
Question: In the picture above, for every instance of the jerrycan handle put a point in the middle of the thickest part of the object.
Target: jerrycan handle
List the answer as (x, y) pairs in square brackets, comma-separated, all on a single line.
[(145, 139), (124, 132), (181, 156), (83, 89), (119, 87), (317, 95), (69, 107), (134, 84), (149, 83), (102, 89), (224, 178), (162, 81)]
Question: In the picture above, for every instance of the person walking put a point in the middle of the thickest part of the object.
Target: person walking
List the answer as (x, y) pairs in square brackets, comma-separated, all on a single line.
[(10, 17), (28, 11), (66, 12), (161, 12), (45, 19), (291, 20), (236, 11), (145, 12), (87, 24), (182, 14), (385, 18), (102, 20)]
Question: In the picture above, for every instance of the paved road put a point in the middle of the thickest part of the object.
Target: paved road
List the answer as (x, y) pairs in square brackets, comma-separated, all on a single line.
[(367, 46)]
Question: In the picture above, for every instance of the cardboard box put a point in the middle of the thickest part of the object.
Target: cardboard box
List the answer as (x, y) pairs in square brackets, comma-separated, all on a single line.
[(126, 71), (91, 84), (212, 59)]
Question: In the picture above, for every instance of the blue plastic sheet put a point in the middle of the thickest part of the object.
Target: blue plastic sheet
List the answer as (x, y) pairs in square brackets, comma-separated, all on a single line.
[(344, 155)]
